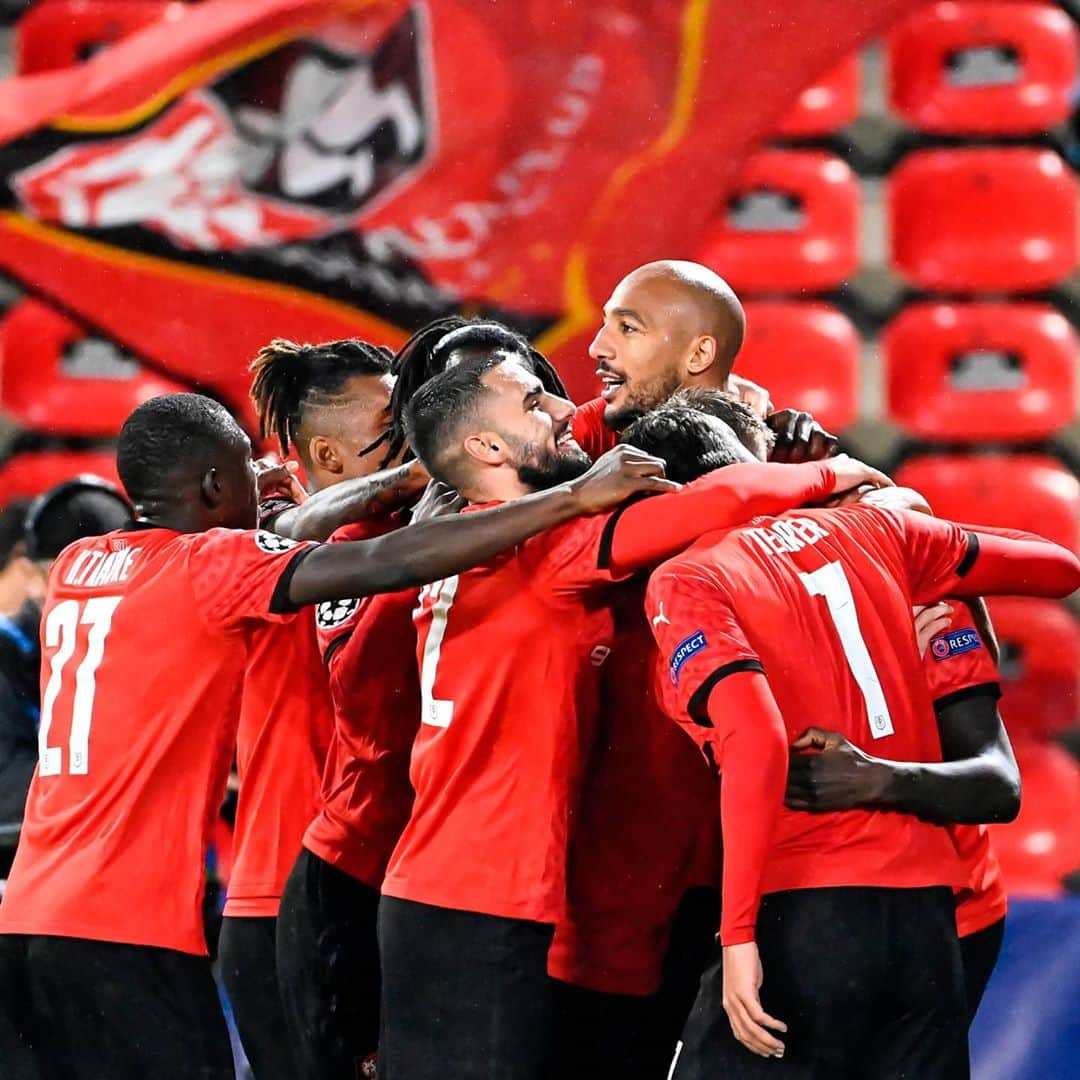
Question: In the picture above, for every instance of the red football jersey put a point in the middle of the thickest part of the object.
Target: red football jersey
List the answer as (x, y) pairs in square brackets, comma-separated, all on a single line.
[(369, 646), (648, 829), (144, 646), (510, 656), (285, 724), (957, 662), (821, 601), (590, 431)]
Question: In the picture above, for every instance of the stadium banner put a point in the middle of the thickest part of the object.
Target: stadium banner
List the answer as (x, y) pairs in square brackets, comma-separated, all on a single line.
[(1028, 1027), (239, 170)]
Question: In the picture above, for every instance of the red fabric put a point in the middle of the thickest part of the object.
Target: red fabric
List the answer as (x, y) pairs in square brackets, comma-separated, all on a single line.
[(116, 853), (737, 598), (647, 832), (982, 901), (578, 120), (590, 431), (285, 725), (370, 649)]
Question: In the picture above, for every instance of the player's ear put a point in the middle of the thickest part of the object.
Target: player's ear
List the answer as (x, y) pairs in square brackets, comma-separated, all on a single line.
[(324, 454), (486, 447), (702, 355), (210, 488)]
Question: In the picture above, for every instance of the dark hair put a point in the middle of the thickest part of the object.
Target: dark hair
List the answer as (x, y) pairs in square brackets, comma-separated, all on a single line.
[(291, 378), (729, 410), (688, 442), (427, 352), (437, 411), (167, 432), (13, 530), (85, 506)]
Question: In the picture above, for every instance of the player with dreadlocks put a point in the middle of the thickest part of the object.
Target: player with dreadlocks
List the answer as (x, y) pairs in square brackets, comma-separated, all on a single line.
[(329, 405)]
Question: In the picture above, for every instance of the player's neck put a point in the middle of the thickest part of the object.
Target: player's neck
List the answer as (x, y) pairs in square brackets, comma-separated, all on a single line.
[(497, 485)]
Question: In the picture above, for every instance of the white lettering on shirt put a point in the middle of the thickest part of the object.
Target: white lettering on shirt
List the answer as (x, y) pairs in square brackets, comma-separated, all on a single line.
[(93, 568), (787, 536)]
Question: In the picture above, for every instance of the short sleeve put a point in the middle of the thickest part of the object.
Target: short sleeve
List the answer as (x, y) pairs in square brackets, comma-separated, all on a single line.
[(243, 575), (699, 639), (958, 663), (937, 553), (590, 431), (574, 557)]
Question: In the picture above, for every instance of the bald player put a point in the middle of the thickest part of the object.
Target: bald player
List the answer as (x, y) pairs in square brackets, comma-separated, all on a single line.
[(672, 324)]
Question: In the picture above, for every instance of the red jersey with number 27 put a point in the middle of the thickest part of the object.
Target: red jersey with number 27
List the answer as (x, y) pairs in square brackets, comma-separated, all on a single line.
[(958, 662), (820, 600), (144, 645)]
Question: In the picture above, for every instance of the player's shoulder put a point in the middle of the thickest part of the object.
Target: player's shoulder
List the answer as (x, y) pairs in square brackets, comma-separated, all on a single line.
[(367, 528), (701, 564), (241, 541), (590, 430)]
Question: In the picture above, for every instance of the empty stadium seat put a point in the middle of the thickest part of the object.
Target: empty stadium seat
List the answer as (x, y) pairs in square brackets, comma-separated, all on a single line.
[(792, 223), (808, 357), (827, 105), (28, 474), (983, 219), (1042, 845), (64, 32), (58, 378), (1009, 491), (980, 372), (1040, 664), (983, 68)]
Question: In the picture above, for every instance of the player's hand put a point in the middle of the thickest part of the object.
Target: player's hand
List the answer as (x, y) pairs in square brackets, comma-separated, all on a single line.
[(279, 479), (742, 1002), (826, 773), (799, 437), (930, 620), (851, 473), (616, 475), (438, 500), (749, 393), (897, 498)]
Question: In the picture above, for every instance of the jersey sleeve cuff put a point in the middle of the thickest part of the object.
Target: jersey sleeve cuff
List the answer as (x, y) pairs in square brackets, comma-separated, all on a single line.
[(280, 604), (698, 708), (738, 935), (987, 689)]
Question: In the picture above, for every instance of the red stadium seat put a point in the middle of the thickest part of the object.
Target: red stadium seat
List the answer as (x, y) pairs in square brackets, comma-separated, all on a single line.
[(58, 379), (1040, 664), (28, 474), (792, 223), (983, 219), (808, 357), (1042, 845), (1009, 491), (980, 372), (983, 68), (827, 105), (63, 32)]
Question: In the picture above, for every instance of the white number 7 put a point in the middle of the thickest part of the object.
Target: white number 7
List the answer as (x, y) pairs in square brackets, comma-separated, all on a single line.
[(831, 582), (432, 710), (61, 633)]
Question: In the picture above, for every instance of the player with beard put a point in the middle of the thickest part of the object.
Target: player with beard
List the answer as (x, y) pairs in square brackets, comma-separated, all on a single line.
[(145, 638), (477, 881), (855, 998)]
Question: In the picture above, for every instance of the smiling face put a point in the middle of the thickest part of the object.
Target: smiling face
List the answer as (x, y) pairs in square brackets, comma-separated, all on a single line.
[(666, 325), (526, 430)]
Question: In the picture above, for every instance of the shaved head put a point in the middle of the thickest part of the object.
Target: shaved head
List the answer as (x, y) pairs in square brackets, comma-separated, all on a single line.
[(668, 324)]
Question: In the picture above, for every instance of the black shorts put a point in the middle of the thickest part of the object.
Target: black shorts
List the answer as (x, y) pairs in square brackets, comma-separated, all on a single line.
[(868, 981), (246, 959), (465, 996), (979, 953), (595, 1034), (96, 1010), (328, 970)]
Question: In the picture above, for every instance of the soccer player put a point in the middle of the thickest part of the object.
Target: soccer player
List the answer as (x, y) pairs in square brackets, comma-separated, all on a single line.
[(510, 655), (145, 635), (757, 625), (328, 404)]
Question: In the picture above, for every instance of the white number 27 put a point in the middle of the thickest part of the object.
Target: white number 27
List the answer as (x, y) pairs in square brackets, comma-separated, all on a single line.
[(831, 582), (61, 634)]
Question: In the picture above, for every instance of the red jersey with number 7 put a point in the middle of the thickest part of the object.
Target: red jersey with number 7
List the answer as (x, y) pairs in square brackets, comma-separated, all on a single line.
[(820, 600), (144, 645)]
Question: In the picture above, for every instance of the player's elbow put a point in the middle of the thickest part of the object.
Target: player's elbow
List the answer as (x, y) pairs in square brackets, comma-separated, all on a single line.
[(1007, 801)]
